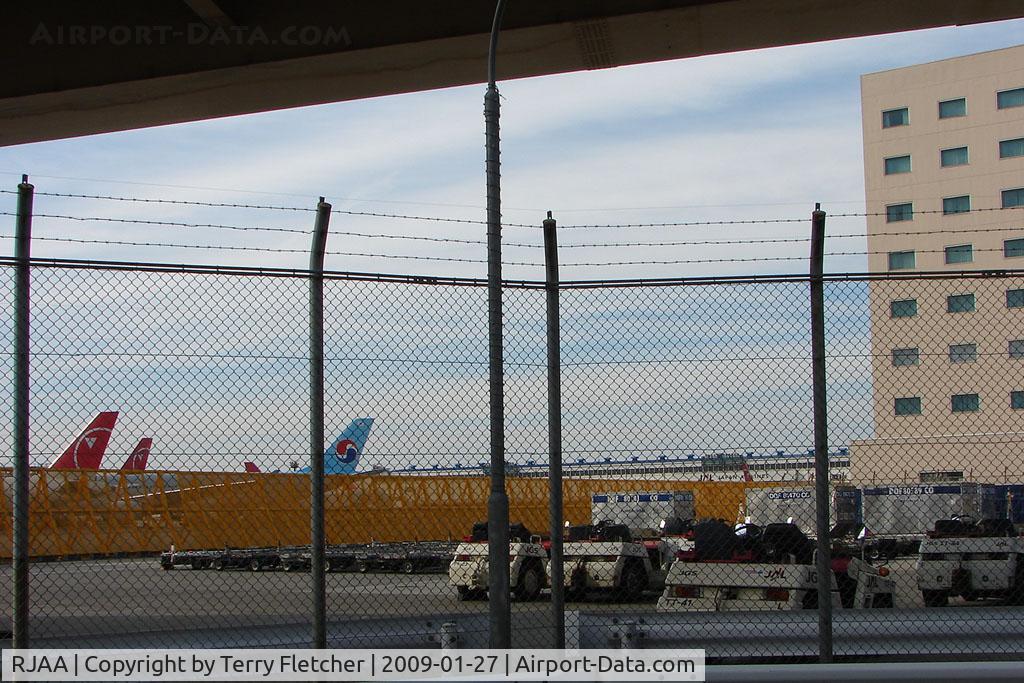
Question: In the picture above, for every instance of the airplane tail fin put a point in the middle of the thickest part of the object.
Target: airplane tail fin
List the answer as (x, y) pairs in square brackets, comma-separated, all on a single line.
[(86, 452), (746, 473), (342, 456), (139, 457), (250, 466)]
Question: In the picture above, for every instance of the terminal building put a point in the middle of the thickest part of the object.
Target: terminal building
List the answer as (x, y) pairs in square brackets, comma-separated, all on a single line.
[(944, 184)]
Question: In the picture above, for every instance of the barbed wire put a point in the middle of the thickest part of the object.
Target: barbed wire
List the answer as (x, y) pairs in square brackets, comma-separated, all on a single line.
[(453, 240), (453, 259)]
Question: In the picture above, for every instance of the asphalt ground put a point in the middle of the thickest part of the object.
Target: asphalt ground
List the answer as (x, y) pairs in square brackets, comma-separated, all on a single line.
[(108, 598)]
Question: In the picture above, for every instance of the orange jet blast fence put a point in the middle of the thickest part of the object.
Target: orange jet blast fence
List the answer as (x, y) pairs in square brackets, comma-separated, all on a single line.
[(87, 513)]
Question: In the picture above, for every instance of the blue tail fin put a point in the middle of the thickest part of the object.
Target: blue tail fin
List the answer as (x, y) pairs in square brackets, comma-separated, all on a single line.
[(342, 456)]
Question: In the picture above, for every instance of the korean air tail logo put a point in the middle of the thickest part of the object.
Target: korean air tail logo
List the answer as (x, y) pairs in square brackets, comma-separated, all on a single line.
[(86, 443), (347, 451)]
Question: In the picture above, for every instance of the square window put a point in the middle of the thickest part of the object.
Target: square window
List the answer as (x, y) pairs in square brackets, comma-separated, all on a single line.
[(956, 156), (963, 353), (961, 204), (1010, 98), (1015, 348), (965, 403), (904, 308), (1011, 148), (953, 108), (910, 356), (895, 117), (1012, 198), (1015, 298), (902, 260), (1013, 248), (960, 303), (894, 213), (962, 253), (895, 165), (1017, 400), (909, 405)]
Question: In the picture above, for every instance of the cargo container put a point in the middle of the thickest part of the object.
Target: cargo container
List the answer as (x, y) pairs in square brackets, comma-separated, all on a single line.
[(641, 510), (769, 505)]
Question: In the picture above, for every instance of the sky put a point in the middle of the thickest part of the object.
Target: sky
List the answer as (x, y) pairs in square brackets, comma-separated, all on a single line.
[(751, 136)]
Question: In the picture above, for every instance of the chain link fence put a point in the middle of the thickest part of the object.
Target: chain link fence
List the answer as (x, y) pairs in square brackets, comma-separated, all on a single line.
[(687, 419)]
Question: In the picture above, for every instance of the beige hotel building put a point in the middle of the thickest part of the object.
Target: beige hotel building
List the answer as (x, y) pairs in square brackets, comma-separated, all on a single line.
[(944, 171)]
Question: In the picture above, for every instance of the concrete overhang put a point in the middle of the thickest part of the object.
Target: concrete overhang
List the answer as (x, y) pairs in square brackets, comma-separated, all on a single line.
[(77, 68)]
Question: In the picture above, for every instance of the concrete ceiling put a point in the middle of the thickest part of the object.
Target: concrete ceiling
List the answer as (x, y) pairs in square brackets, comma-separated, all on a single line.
[(77, 68)]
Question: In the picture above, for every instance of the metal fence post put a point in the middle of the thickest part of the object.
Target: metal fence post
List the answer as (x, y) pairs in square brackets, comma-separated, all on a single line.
[(555, 433), (316, 421), (498, 582), (22, 283), (821, 476)]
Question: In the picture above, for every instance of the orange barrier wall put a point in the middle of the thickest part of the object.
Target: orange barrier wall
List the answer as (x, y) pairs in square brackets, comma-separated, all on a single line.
[(76, 512)]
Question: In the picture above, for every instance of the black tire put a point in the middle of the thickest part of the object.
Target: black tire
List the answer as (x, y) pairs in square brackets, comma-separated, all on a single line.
[(218, 564), (883, 601), (362, 566), (576, 591), (529, 583), (633, 582), (287, 566), (255, 565), (167, 567), (464, 593), (409, 567), (197, 564), (935, 598), (328, 567)]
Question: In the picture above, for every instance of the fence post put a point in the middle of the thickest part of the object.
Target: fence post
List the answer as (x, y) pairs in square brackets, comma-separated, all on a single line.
[(498, 582), (555, 433), (22, 284), (316, 421), (824, 564)]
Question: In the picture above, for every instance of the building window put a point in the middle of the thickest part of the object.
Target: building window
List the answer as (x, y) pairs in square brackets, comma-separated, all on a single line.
[(1011, 148), (1017, 400), (956, 156), (904, 308), (895, 165), (894, 213), (909, 405), (1015, 348), (910, 356), (1015, 298), (961, 204), (902, 260), (965, 403), (953, 108), (1012, 198), (961, 253), (1010, 98), (1013, 248), (963, 353), (895, 117), (960, 303)]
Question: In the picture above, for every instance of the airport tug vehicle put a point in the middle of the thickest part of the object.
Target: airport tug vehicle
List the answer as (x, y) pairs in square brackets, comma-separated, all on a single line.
[(771, 568), (631, 554), (528, 564), (972, 559)]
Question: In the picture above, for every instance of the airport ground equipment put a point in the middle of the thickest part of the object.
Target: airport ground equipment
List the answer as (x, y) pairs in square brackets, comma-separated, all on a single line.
[(983, 559), (528, 564), (897, 516), (797, 503), (628, 547), (409, 557), (766, 568)]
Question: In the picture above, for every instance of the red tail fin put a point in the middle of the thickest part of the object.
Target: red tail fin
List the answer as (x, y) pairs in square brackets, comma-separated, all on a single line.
[(87, 450), (746, 473), (139, 457), (251, 466)]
